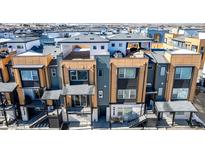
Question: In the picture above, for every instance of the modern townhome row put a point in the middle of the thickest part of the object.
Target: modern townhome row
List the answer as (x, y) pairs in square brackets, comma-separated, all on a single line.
[(116, 78)]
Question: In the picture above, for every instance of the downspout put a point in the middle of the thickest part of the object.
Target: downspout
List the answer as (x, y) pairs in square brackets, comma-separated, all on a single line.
[(143, 88)]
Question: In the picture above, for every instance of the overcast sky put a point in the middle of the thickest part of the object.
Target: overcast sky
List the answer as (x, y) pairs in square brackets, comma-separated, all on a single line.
[(103, 11)]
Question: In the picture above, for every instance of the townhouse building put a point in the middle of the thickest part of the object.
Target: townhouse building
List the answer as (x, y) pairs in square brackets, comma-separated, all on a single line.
[(88, 81)]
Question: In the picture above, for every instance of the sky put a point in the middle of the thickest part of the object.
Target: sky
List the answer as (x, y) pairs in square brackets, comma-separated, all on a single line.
[(102, 11)]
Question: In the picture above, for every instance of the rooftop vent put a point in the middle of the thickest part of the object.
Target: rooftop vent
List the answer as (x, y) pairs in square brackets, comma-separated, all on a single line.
[(77, 38), (91, 38), (128, 36)]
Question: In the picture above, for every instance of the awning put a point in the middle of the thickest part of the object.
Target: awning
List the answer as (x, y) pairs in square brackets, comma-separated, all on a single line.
[(51, 95), (28, 66), (7, 87), (82, 89), (175, 106)]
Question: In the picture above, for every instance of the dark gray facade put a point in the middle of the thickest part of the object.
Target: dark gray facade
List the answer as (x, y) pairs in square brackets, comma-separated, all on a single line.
[(103, 79), (160, 81)]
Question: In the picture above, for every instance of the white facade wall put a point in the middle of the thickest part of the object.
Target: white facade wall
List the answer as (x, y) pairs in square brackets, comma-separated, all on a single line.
[(26, 46), (95, 115), (66, 48), (201, 35), (53, 35), (24, 113), (14, 47), (29, 45), (117, 47), (98, 50)]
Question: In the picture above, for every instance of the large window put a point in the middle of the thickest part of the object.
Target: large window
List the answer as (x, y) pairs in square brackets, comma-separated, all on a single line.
[(29, 75), (129, 73), (183, 73), (182, 83), (126, 93), (19, 47), (79, 75), (180, 93), (30, 78)]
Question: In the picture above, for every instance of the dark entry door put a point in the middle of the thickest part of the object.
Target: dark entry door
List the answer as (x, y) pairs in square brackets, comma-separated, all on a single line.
[(102, 111)]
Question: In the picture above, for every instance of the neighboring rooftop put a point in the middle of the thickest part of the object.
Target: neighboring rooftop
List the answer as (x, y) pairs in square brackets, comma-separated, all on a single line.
[(183, 51), (89, 38), (3, 40), (157, 58), (23, 39), (129, 37), (30, 53), (179, 38)]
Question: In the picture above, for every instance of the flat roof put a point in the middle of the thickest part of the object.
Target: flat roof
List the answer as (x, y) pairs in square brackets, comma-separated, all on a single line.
[(3, 40), (83, 89), (157, 58), (179, 38), (183, 51), (51, 95), (89, 38), (23, 39), (7, 87), (175, 106), (30, 53), (129, 37), (28, 66)]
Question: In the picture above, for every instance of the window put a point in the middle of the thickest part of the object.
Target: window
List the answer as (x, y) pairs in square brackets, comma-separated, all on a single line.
[(19, 47), (29, 75), (113, 110), (100, 93), (194, 48), (160, 90), (113, 44), (126, 93), (79, 75), (183, 73), (162, 71), (100, 72), (94, 47), (129, 73), (120, 44), (53, 72), (102, 47), (182, 82), (180, 93)]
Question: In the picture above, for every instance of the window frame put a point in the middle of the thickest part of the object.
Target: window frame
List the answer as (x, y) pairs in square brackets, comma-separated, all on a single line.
[(31, 73), (124, 74), (77, 75), (102, 47), (94, 47), (124, 93)]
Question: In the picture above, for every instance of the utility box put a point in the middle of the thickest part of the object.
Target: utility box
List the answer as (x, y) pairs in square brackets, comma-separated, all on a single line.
[(55, 119)]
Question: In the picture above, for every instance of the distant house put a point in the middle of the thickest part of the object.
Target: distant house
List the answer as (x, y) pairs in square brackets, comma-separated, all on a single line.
[(22, 44), (124, 42), (84, 43)]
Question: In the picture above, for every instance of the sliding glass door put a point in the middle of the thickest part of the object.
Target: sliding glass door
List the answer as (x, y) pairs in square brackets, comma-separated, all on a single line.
[(80, 100)]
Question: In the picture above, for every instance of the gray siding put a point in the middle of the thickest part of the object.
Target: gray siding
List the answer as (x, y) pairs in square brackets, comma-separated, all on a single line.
[(103, 63), (160, 81)]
